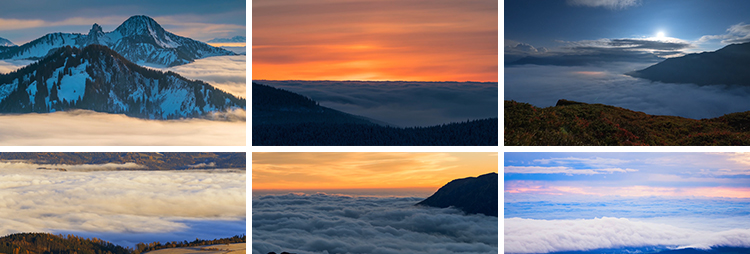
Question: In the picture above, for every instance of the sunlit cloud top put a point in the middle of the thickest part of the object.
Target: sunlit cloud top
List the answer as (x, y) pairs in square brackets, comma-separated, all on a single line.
[(366, 170), (23, 21), (375, 40), (629, 174)]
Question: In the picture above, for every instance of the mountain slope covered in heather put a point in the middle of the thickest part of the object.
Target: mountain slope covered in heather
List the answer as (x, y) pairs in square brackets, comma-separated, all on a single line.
[(99, 79), (139, 39), (472, 195)]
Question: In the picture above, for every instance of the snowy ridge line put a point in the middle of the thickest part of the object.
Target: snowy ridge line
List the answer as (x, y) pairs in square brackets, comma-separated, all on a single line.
[(140, 39), (97, 78)]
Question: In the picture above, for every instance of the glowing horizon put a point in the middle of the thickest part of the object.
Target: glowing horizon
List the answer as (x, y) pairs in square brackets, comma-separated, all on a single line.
[(711, 175), (361, 171), (364, 40)]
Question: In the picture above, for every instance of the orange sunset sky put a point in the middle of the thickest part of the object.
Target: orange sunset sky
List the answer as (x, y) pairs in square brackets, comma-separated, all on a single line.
[(310, 171), (439, 40)]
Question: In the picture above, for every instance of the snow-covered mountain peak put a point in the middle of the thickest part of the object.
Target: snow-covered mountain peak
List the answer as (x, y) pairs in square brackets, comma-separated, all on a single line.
[(98, 78), (140, 39), (140, 25), (6, 42)]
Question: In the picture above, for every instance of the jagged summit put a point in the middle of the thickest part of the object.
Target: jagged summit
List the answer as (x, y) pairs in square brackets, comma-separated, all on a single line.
[(472, 195), (140, 39), (96, 29), (98, 78)]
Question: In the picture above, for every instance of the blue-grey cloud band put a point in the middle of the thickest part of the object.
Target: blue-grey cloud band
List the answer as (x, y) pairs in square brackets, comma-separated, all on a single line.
[(542, 86)]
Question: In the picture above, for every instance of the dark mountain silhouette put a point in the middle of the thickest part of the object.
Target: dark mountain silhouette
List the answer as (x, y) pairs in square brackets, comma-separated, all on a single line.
[(98, 78), (140, 39), (471, 195), (281, 117), (278, 106), (727, 66)]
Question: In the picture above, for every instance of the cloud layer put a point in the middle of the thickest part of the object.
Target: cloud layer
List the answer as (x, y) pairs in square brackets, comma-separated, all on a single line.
[(340, 224), (82, 127), (227, 73), (402, 103), (135, 203), (543, 85), (543, 236)]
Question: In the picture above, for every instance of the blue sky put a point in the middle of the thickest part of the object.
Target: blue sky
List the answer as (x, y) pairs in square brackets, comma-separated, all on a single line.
[(588, 201), (23, 21), (629, 174), (575, 26)]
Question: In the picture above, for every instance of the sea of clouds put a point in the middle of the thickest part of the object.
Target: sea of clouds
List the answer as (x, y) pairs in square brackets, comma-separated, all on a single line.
[(402, 103), (581, 223), (322, 223), (83, 127), (542, 86), (123, 207)]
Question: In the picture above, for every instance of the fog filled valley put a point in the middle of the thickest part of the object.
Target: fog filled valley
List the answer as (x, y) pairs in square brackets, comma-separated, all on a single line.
[(124, 207), (331, 223), (543, 86)]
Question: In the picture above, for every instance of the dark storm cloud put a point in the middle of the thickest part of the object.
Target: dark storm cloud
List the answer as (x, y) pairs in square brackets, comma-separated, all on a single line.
[(402, 103), (340, 224), (543, 85)]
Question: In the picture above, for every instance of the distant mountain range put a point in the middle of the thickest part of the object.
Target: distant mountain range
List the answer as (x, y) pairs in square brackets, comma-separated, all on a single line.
[(233, 39), (472, 195), (98, 78), (5, 43), (726, 66), (150, 161), (281, 117), (139, 39)]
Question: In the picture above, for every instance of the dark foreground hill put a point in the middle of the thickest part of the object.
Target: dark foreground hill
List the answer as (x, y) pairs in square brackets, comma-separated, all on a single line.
[(727, 66), (573, 123), (472, 195), (284, 118), (150, 161), (98, 78)]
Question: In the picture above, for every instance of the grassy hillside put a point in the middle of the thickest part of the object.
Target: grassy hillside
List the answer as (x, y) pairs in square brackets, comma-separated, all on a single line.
[(572, 123)]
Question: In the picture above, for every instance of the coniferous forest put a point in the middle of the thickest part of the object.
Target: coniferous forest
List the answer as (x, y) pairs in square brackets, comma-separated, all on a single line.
[(44, 243)]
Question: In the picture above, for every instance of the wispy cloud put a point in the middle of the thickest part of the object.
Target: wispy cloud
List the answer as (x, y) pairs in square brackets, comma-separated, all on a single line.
[(564, 170), (608, 4)]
